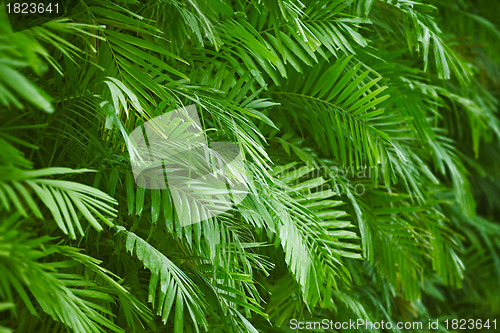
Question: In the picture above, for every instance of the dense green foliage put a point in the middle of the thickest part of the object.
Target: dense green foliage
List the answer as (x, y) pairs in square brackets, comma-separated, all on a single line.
[(371, 134)]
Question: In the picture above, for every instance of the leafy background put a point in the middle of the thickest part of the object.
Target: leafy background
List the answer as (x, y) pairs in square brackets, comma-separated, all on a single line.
[(313, 92)]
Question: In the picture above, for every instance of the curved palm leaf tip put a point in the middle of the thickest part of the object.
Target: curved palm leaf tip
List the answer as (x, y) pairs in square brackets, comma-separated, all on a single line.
[(371, 138)]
